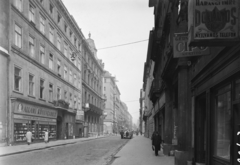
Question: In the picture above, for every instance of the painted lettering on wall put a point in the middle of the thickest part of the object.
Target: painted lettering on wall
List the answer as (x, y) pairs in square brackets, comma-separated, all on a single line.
[(216, 19), (35, 110)]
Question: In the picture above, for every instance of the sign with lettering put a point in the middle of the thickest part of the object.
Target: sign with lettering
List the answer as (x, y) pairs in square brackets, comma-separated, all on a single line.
[(181, 48), (34, 110), (213, 20), (34, 118)]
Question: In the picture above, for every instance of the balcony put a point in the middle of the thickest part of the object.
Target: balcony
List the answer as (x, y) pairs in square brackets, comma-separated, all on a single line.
[(155, 90), (94, 109)]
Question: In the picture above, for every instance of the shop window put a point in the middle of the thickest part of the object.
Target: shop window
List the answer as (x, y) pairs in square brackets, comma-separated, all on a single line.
[(41, 88), (17, 79), (222, 123), (31, 85), (31, 46), (18, 36), (52, 131), (20, 130), (42, 54)]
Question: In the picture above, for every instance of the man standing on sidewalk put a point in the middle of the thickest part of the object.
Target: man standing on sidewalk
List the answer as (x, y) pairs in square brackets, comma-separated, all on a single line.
[(29, 137), (156, 141)]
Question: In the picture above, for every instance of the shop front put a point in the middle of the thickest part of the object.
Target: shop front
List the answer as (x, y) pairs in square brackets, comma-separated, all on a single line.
[(36, 118), (217, 112)]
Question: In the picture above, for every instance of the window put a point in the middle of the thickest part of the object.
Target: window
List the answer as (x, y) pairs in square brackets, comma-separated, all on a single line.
[(222, 123), (70, 34), (18, 36), (58, 93), (79, 103), (75, 102), (79, 84), (51, 8), (59, 42), (31, 46), (65, 49), (65, 72), (71, 55), (41, 88), (42, 54), (59, 18), (70, 100), (41, 1), (31, 13), (65, 95), (75, 41), (17, 79), (75, 80), (18, 4), (31, 85), (50, 92), (59, 67), (79, 65), (70, 76), (65, 27), (51, 33), (42, 24), (51, 61)]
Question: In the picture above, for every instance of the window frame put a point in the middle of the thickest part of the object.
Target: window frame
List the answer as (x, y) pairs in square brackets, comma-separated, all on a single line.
[(31, 85), (31, 46), (19, 79), (31, 13), (17, 36), (50, 61), (58, 93), (41, 87), (50, 92), (51, 33), (18, 5), (42, 54), (65, 72), (42, 24)]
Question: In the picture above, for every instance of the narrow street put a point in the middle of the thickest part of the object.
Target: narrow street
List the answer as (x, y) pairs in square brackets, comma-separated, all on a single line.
[(94, 152)]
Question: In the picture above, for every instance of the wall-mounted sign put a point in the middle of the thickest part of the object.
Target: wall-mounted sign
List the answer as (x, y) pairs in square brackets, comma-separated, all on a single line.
[(181, 48), (34, 110), (213, 20)]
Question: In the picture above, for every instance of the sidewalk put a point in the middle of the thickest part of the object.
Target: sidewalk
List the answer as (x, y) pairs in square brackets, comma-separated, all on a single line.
[(139, 151), (11, 150)]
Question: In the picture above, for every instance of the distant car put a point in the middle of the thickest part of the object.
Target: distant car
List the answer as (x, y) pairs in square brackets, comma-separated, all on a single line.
[(130, 134)]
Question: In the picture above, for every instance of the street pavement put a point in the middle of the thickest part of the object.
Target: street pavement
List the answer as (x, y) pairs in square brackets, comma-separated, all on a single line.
[(138, 151), (16, 149)]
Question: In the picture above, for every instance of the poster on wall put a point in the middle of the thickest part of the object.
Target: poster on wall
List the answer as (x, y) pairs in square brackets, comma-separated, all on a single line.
[(213, 22), (181, 48)]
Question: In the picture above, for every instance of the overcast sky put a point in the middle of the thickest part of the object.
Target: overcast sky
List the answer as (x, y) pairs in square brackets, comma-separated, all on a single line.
[(116, 22)]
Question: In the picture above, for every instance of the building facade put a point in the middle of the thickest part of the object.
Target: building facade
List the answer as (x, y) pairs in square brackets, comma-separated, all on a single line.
[(195, 91), (92, 90)]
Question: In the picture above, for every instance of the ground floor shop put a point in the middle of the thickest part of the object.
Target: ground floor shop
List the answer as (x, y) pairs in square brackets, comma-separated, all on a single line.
[(34, 117)]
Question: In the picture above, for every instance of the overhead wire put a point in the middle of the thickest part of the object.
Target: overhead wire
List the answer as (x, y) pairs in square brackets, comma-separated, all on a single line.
[(122, 44)]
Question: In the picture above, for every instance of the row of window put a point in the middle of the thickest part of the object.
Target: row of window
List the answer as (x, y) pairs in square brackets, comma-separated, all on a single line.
[(18, 35), (71, 77), (18, 82)]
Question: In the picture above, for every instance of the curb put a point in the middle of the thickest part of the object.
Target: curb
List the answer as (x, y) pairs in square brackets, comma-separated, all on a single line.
[(42, 148)]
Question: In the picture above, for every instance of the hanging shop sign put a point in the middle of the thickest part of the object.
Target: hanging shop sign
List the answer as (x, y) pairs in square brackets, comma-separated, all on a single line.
[(24, 108), (181, 48), (213, 22)]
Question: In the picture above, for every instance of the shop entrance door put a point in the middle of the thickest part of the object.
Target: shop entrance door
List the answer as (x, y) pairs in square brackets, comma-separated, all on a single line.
[(236, 141)]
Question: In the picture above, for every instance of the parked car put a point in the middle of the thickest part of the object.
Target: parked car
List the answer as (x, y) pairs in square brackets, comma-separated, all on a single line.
[(127, 135)]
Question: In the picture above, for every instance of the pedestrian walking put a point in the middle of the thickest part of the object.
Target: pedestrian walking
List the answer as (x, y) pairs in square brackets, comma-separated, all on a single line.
[(156, 142), (121, 133), (29, 137), (46, 136)]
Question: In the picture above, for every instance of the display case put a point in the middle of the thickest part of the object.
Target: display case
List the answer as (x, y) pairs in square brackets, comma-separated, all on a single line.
[(52, 131), (20, 130)]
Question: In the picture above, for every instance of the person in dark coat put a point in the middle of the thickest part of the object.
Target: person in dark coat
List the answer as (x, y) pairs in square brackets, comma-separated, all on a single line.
[(156, 142), (121, 133)]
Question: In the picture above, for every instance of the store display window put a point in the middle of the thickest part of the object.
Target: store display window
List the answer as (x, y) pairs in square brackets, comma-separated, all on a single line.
[(20, 130), (222, 123), (52, 131)]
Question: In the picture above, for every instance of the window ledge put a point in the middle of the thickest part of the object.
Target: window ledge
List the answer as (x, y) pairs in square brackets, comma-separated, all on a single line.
[(18, 92), (32, 96), (42, 99)]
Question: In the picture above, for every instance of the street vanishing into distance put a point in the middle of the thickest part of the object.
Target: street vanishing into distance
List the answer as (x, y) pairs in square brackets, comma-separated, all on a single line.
[(94, 152)]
